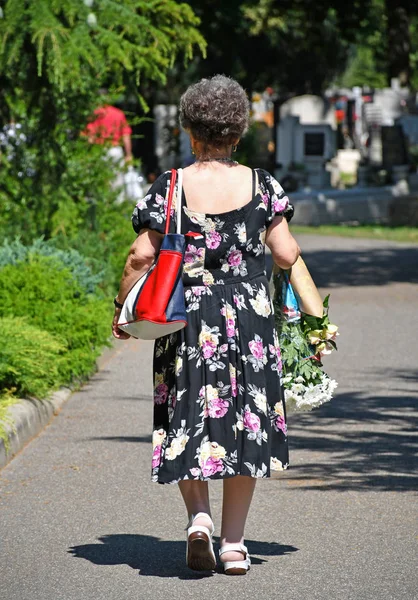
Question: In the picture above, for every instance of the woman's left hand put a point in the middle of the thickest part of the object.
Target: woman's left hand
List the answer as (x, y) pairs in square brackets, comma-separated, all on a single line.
[(119, 334)]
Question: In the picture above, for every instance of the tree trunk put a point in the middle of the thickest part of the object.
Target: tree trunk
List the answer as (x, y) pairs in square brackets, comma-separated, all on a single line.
[(399, 42)]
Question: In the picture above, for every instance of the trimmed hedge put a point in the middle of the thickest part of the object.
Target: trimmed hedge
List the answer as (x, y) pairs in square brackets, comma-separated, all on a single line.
[(29, 359), (47, 295), (88, 276)]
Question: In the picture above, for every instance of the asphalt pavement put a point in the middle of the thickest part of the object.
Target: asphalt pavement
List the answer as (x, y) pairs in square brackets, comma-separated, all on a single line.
[(80, 520)]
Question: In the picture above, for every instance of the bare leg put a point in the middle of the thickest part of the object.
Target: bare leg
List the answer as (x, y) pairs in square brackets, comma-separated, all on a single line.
[(196, 498), (238, 493), (200, 555)]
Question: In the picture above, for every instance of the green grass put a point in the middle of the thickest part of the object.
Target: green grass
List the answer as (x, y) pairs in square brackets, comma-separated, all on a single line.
[(376, 232)]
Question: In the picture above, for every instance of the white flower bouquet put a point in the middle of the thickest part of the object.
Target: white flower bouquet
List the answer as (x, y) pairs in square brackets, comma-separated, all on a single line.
[(304, 339)]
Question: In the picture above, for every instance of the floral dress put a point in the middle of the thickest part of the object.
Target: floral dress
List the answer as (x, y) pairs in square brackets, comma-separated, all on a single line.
[(218, 400)]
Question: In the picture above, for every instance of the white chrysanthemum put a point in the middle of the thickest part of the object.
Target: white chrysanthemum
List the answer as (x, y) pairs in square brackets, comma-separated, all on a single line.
[(298, 388)]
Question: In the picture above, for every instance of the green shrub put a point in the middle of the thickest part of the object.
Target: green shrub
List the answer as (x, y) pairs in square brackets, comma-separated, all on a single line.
[(107, 244), (29, 359), (50, 298), (88, 276)]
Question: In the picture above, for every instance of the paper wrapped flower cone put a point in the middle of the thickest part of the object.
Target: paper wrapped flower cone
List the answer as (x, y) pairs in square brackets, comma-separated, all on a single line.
[(305, 289)]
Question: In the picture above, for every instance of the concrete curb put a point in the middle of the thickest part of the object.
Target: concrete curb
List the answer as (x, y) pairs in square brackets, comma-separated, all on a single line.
[(30, 417)]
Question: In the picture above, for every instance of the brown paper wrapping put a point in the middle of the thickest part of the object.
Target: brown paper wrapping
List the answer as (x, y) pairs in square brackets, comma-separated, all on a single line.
[(310, 301)]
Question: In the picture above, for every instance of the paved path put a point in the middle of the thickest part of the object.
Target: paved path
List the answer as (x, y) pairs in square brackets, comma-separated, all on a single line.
[(79, 519)]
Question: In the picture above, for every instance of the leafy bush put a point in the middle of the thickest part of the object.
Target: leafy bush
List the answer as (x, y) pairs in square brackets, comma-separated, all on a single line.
[(52, 300), (29, 359), (12, 253), (55, 57), (107, 244)]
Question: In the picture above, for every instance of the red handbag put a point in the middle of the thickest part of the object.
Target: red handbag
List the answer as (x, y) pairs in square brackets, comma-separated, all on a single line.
[(155, 305)]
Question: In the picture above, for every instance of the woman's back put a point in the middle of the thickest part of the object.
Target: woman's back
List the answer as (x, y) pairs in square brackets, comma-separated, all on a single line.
[(214, 188)]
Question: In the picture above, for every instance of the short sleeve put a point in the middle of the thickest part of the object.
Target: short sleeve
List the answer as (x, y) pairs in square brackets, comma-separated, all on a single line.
[(149, 213), (274, 198)]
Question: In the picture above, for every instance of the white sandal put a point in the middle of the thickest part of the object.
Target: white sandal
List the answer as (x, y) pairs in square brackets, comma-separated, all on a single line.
[(199, 553), (236, 567)]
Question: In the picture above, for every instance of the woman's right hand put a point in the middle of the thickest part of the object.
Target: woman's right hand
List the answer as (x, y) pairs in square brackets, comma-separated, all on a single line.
[(119, 334)]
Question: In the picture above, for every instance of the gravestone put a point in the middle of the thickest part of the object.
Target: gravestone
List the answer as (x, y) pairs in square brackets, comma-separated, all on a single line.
[(310, 109), (394, 151), (307, 146)]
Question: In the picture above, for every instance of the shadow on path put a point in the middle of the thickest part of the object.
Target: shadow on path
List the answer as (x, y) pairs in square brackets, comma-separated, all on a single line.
[(152, 556), (374, 266), (139, 439), (371, 441), (333, 268)]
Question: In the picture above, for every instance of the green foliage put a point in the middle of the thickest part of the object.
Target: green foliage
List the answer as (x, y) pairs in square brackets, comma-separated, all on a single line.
[(51, 300), (302, 46), (58, 41), (107, 244), (296, 47), (297, 354), (13, 253), (247, 147), (21, 370), (52, 66), (6, 400)]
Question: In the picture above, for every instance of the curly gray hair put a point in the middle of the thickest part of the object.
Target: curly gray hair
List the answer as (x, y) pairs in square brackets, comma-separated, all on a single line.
[(215, 110)]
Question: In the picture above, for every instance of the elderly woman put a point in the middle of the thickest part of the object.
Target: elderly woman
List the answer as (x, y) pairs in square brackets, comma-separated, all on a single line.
[(218, 402)]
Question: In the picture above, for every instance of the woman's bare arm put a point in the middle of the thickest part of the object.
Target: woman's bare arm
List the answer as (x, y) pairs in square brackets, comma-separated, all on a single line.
[(140, 258), (284, 248)]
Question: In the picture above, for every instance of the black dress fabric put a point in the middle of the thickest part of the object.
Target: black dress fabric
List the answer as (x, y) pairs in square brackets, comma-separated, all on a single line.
[(218, 400)]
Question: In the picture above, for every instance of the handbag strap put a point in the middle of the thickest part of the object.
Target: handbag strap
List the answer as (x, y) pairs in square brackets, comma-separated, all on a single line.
[(170, 200), (175, 176), (179, 198)]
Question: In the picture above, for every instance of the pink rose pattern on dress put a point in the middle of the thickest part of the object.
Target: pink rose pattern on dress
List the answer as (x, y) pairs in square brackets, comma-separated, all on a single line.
[(193, 254), (217, 408), (156, 457), (208, 348), (281, 424), (275, 352), (279, 204), (229, 313), (213, 240), (256, 348), (211, 466), (227, 361), (161, 393), (235, 258), (251, 421), (234, 388)]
